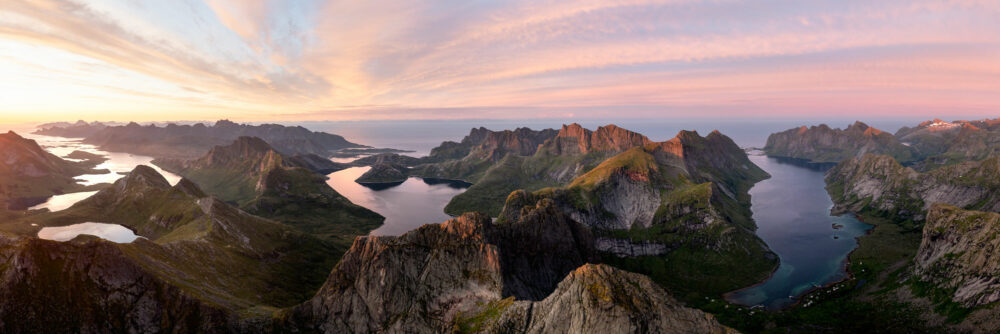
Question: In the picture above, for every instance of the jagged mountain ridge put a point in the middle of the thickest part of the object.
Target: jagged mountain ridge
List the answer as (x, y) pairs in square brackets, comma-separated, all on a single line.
[(821, 144), (571, 152)]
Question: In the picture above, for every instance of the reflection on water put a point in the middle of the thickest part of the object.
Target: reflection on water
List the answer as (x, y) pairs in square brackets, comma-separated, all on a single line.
[(792, 212), (117, 165), (62, 202), (406, 206), (110, 232)]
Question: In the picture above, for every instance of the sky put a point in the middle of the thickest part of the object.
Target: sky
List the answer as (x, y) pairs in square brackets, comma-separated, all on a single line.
[(301, 60)]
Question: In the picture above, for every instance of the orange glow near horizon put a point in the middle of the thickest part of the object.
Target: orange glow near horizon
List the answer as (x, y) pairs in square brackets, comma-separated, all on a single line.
[(296, 60)]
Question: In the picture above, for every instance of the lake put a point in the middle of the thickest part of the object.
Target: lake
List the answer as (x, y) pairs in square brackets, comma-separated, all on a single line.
[(405, 205), (111, 232), (792, 212)]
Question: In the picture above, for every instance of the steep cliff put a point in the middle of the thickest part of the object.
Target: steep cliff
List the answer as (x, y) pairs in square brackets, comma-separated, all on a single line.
[(821, 144), (880, 184), (958, 253), (472, 275), (267, 183), (571, 152)]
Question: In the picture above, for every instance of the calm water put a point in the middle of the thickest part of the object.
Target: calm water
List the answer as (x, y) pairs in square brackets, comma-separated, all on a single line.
[(116, 164), (405, 206), (110, 232), (792, 211)]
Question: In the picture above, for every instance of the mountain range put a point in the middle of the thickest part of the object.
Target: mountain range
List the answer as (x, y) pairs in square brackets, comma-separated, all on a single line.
[(189, 141)]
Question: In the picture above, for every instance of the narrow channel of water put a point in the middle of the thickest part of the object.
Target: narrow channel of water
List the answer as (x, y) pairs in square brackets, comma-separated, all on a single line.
[(117, 165), (792, 212)]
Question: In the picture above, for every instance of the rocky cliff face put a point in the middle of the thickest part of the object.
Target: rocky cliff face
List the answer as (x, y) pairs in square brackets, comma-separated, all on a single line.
[(881, 184), (420, 281), (602, 299), (472, 275), (189, 141), (90, 286), (559, 159), (573, 139), (822, 144), (482, 143), (267, 183), (959, 253)]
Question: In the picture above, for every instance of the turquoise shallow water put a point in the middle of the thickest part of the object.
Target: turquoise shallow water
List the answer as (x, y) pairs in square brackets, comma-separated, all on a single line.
[(792, 212)]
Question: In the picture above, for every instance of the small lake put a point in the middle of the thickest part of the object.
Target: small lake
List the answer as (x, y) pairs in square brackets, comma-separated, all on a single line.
[(117, 164), (792, 212), (405, 205), (111, 232)]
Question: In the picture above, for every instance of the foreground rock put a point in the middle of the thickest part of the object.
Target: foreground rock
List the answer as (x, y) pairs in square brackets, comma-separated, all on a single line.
[(881, 185), (958, 253), (821, 144), (600, 299), (471, 275)]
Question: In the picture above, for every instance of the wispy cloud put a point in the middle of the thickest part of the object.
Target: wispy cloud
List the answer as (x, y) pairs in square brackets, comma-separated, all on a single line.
[(311, 59)]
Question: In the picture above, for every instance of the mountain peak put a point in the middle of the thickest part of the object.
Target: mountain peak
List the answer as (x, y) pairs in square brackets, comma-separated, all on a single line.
[(146, 176)]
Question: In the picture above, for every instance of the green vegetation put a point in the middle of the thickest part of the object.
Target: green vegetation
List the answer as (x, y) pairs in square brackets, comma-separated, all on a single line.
[(490, 313)]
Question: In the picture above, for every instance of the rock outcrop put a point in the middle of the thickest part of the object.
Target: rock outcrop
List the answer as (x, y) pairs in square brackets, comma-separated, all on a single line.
[(384, 170), (602, 299), (958, 253), (880, 184), (821, 144)]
